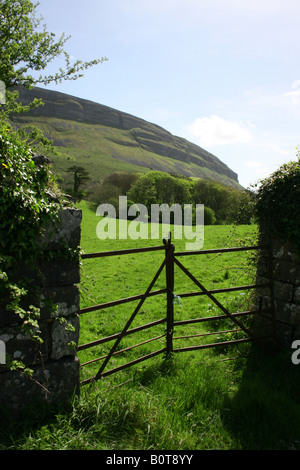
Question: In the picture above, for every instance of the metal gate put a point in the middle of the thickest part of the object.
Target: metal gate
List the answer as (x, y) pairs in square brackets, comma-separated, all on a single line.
[(171, 259)]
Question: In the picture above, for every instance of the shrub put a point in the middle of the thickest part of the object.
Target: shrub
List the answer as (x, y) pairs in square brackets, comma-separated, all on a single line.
[(25, 204), (223, 200), (157, 188), (278, 203), (209, 216)]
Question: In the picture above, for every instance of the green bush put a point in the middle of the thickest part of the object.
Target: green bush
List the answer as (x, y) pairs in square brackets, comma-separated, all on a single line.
[(209, 216), (25, 204), (278, 203), (158, 188)]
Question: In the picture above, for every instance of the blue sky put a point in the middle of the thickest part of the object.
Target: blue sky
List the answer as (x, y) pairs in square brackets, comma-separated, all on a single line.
[(224, 74)]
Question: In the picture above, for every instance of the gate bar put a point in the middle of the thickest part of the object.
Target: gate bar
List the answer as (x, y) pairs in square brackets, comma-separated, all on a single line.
[(207, 334), (100, 372), (212, 345), (124, 366), (113, 303), (169, 253), (125, 349), (102, 254), (220, 250), (224, 290), (128, 332), (216, 317), (210, 295)]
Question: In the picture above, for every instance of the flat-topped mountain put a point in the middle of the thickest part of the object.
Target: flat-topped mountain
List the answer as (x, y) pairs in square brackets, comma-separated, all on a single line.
[(104, 140)]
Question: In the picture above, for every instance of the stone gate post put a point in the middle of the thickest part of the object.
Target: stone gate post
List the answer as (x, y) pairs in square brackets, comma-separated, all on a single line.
[(54, 282), (281, 267)]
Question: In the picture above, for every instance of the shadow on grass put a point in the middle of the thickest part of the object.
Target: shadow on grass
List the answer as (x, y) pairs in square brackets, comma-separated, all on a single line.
[(265, 411), (166, 367), (175, 402), (106, 418), (29, 419)]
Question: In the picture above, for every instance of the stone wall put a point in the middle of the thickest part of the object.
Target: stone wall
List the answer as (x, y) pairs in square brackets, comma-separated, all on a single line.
[(53, 284), (281, 267)]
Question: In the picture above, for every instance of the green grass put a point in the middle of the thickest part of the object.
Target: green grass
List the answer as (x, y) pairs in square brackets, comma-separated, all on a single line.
[(223, 398)]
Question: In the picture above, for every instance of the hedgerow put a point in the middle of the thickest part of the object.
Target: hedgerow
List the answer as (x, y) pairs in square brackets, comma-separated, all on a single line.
[(278, 203)]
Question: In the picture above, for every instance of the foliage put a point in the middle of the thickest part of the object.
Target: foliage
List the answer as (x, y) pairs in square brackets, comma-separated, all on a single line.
[(80, 176), (246, 209), (157, 188), (209, 216), (111, 187), (25, 48), (26, 206), (121, 180), (223, 204), (278, 202), (224, 201), (27, 202)]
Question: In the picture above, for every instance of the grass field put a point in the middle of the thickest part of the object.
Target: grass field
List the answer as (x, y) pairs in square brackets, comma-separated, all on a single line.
[(116, 277), (222, 398)]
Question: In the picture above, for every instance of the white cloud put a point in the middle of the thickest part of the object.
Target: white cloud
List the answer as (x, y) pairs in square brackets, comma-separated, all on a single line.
[(215, 130)]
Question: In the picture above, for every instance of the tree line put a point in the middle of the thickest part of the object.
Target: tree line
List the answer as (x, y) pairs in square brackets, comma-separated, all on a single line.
[(222, 204)]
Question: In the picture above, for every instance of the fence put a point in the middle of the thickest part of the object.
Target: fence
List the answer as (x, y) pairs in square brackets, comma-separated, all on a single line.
[(169, 262)]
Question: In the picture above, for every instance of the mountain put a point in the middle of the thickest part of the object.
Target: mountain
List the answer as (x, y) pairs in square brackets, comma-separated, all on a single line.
[(104, 140)]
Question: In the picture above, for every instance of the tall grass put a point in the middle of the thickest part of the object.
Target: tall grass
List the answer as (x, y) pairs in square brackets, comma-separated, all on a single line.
[(237, 397)]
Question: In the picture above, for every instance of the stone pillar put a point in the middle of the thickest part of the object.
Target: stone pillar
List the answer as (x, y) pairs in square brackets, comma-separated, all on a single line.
[(281, 267), (53, 288)]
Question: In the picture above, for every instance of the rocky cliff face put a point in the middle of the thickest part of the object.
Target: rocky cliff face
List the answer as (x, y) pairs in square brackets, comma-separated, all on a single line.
[(147, 136)]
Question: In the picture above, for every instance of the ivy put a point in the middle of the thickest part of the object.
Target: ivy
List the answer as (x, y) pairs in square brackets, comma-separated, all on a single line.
[(25, 206), (278, 203), (25, 209)]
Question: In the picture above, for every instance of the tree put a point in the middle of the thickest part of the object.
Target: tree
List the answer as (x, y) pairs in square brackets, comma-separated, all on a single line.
[(80, 176), (157, 187), (222, 199), (27, 204), (26, 47), (121, 180)]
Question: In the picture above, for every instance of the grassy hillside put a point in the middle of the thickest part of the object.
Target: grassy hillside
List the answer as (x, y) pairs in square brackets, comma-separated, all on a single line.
[(103, 140)]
